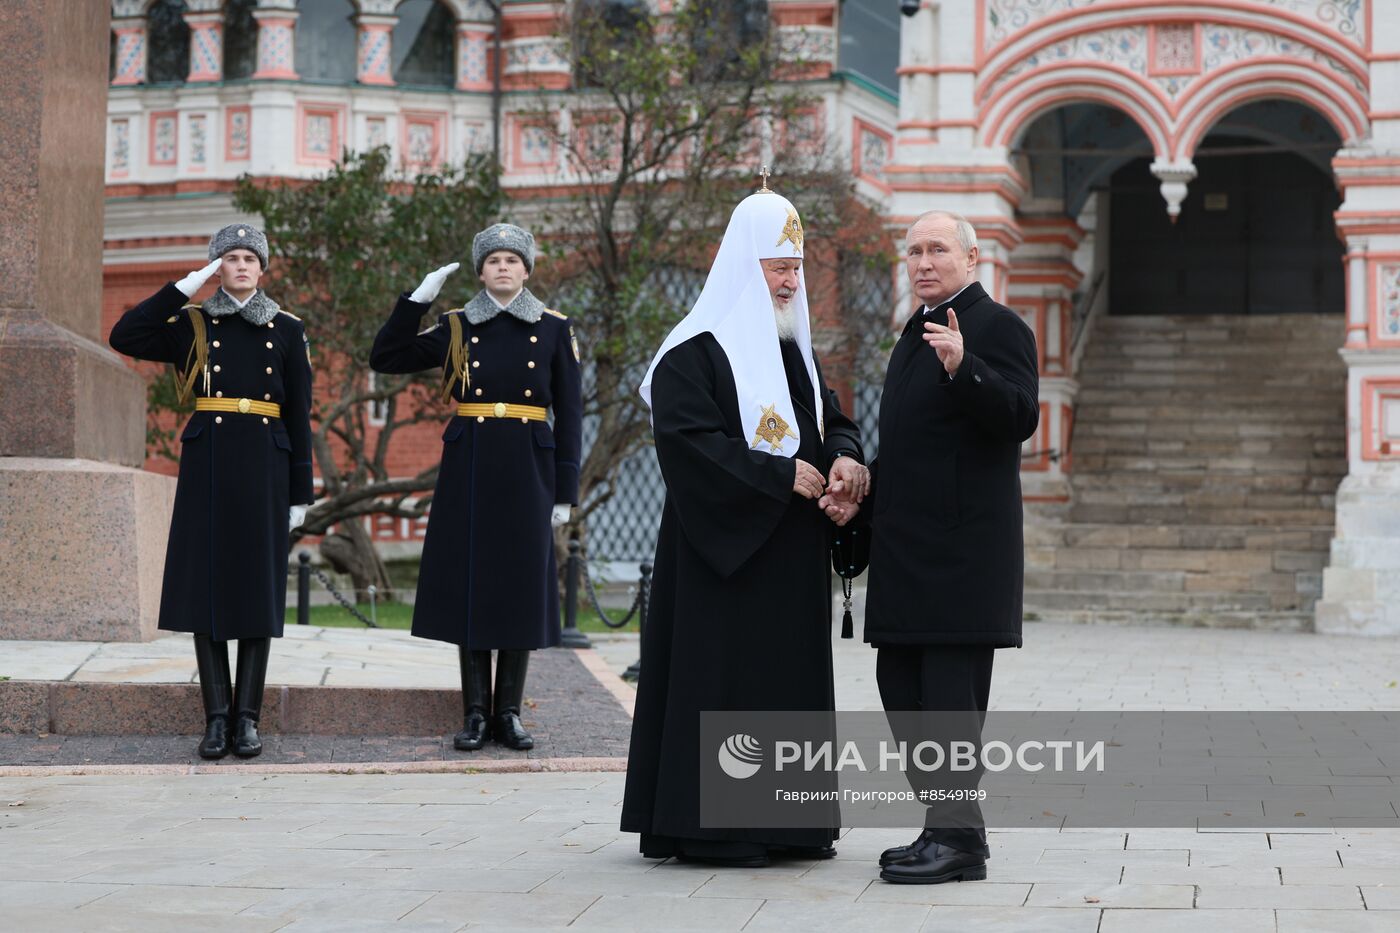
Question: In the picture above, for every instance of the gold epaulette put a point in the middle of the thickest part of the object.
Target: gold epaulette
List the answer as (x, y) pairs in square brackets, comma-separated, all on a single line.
[(562, 317), (289, 314)]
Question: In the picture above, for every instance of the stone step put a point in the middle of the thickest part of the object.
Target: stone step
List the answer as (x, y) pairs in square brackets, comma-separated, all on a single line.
[(1206, 385), (1166, 481), (1332, 449), (1058, 594), (1144, 406), (1186, 463), (1275, 362), (1234, 431), (1140, 346), (1205, 498), (1257, 620), (1083, 536), (1198, 323), (1199, 515), (1228, 562)]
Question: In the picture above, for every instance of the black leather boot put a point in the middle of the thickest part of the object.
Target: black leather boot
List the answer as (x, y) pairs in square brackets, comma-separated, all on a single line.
[(248, 694), (506, 727), (476, 700), (215, 687)]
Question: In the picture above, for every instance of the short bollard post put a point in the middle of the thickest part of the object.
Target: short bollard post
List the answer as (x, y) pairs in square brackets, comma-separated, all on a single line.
[(303, 588), (643, 602), (571, 637)]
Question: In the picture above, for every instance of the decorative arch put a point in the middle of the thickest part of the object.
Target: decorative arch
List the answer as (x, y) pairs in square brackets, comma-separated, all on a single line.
[(1261, 81), (1014, 109)]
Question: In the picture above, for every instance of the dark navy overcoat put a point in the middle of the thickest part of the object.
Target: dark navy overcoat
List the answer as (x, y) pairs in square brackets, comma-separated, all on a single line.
[(946, 553), (487, 579), (226, 560)]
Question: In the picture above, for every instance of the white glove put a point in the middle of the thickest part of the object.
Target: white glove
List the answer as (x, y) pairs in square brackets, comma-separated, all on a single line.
[(433, 283), (296, 516), (195, 280), (560, 517)]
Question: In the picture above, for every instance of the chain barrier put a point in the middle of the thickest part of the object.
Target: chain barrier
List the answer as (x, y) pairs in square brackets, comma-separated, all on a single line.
[(636, 592), (345, 603)]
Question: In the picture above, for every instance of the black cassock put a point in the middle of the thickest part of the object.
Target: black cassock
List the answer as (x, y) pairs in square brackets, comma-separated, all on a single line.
[(740, 617)]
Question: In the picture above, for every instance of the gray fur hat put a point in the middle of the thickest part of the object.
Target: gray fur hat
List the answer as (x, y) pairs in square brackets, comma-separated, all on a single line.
[(503, 236), (239, 236)]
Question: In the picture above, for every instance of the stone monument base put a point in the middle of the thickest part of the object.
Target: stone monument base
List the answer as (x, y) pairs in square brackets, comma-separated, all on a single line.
[(82, 544), (1361, 586)]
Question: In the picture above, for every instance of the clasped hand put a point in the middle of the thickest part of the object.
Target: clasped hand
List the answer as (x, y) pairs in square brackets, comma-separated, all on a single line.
[(840, 500)]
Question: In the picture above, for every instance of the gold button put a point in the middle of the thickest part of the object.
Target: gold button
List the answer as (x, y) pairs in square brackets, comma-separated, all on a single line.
[(534, 339), (531, 364), (216, 369), (242, 232), (217, 321), (499, 409), (264, 421), (528, 393), (269, 344), (267, 396), (476, 364), (268, 370), (479, 419), (476, 340), (219, 394), (270, 324), (218, 419), (244, 405), (478, 391), (524, 420), (216, 344)]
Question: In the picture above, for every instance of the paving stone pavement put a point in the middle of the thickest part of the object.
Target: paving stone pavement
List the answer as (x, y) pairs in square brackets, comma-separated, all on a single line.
[(322, 852), (393, 851)]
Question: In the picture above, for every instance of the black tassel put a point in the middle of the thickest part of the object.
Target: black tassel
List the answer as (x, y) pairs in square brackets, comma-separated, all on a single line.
[(847, 627)]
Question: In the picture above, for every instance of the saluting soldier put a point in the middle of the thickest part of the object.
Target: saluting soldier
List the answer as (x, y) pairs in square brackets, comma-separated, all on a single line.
[(245, 470), (487, 579)]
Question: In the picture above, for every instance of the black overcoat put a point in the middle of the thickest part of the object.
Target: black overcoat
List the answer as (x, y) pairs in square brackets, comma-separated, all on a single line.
[(946, 554), (226, 559), (740, 617), (487, 578)]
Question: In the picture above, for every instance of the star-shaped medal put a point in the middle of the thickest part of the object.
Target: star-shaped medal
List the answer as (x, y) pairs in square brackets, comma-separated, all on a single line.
[(772, 429)]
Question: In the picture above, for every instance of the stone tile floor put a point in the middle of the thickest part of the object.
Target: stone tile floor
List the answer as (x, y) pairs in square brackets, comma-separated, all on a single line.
[(395, 851)]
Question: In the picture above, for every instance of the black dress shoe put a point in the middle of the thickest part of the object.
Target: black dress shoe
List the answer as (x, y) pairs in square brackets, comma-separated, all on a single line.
[(934, 864), (899, 853), (246, 742), (475, 732), (507, 730), (215, 744), (809, 852)]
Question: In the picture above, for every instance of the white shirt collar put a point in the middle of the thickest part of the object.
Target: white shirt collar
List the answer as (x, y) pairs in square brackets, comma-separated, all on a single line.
[(498, 302), (240, 305), (947, 301)]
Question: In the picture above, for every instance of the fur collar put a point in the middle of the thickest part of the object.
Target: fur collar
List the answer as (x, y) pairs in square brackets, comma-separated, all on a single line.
[(525, 306), (259, 310)]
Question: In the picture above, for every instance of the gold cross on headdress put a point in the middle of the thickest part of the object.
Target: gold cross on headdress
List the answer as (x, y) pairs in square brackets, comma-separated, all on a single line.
[(764, 174)]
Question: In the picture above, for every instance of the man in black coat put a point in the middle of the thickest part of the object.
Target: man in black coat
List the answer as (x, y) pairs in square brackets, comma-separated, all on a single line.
[(245, 470), (487, 579), (960, 397)]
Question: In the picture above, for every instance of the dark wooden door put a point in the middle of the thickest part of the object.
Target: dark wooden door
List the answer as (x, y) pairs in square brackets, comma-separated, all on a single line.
[(1255, 236)]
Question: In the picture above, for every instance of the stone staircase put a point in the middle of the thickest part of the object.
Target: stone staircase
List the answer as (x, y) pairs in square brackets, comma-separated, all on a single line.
[(1206, 455)]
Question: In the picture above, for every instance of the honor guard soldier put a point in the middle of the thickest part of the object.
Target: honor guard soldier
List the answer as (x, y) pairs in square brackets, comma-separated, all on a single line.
[(487, 579), (245, 471)]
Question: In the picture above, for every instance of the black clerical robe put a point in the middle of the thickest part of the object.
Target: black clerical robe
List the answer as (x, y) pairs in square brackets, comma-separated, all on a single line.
[(740, 617)]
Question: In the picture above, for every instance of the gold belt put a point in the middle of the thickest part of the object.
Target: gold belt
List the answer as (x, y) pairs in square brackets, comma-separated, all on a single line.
[(244, 406), (483, 410)]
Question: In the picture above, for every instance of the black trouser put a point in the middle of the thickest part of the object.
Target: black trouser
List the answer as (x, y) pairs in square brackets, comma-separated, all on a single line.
[(940, 678)]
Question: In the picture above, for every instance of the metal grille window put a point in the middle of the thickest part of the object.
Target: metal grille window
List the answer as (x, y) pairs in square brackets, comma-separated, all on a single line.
[(422, 45)]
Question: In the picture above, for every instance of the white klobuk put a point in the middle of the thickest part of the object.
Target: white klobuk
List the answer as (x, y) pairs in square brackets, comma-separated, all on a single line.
[(737, 308)]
